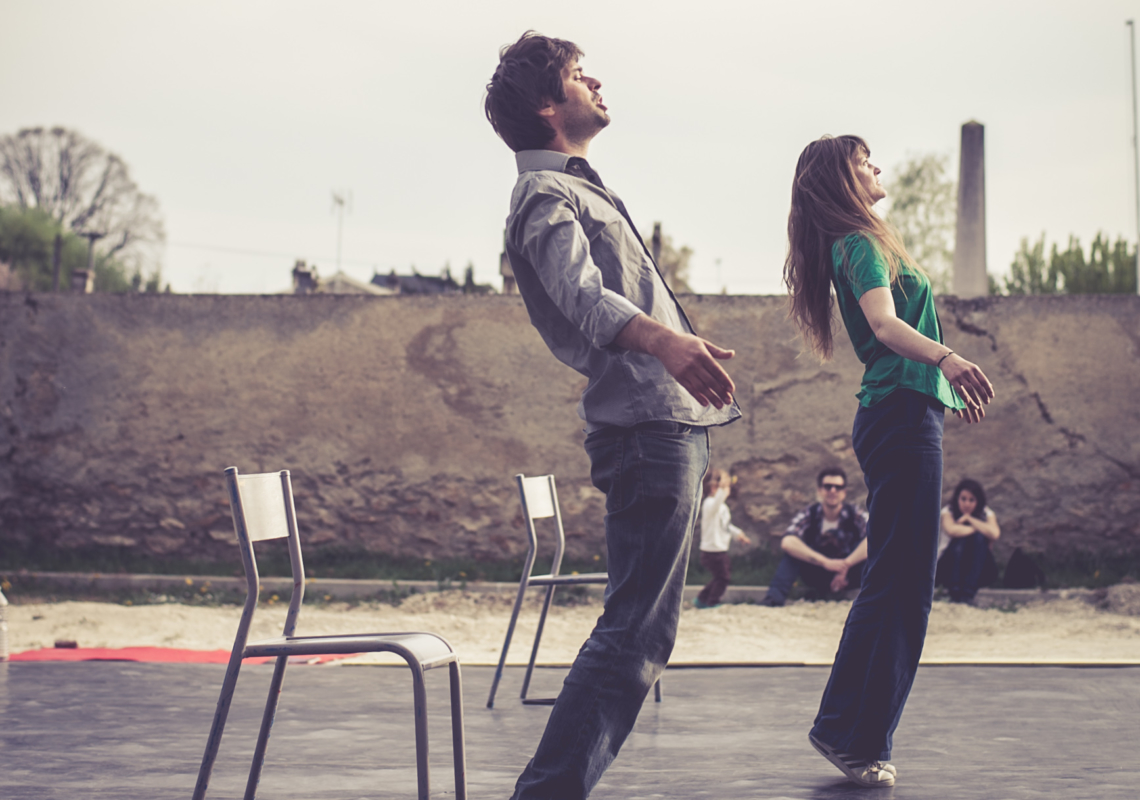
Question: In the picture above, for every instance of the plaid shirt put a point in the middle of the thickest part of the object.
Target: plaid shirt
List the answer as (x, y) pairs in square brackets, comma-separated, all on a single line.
[(836, 543)]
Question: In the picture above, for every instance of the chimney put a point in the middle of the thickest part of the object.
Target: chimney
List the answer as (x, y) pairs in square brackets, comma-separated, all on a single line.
[(305, 280), (970, 238)]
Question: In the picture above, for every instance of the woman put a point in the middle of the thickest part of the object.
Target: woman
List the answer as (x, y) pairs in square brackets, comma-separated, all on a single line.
[(968, 527), (885, 299)]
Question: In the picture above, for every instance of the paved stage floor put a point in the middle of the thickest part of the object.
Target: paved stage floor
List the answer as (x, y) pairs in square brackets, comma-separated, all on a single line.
[(129, 731)]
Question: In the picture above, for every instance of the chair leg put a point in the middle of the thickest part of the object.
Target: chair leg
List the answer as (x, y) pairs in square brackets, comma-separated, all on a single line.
[(419, 699), (229, 683), (458, 749), (657, 691), (537, 639), (266, 725), (507, 642)]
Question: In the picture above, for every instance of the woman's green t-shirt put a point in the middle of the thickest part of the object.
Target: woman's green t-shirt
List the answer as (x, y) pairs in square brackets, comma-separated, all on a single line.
[(885, 369)]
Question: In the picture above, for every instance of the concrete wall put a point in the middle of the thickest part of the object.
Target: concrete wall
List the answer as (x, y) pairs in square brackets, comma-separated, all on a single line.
[(403, 419)]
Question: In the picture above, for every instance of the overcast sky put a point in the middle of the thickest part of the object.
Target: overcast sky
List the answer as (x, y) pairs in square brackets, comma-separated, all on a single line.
[(242, 117)]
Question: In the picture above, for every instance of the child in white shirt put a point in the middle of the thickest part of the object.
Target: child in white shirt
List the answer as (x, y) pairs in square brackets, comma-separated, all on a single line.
[(717, 533)]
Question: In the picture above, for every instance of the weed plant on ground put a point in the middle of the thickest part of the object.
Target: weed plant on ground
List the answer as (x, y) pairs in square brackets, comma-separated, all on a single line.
[(754, 568)]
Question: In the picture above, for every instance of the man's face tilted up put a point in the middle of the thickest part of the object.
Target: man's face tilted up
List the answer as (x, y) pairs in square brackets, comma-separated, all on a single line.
[(583, 115)]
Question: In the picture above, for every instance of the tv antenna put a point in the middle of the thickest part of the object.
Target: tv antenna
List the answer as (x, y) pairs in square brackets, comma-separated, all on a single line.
[(342, 200)]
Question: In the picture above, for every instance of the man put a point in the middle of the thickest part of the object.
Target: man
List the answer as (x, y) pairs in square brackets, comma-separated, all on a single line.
[(596, 297), (826, 544)]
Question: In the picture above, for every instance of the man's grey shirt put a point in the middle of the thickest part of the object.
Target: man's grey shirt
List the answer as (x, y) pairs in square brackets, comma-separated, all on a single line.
[(584, 273)]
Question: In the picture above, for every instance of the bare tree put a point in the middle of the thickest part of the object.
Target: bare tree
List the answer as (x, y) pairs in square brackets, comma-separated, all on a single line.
[(84, 188)]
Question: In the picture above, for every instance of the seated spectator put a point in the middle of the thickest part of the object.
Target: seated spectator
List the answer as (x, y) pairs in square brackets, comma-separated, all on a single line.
[(965, 561), (717, 533), (826, 544)]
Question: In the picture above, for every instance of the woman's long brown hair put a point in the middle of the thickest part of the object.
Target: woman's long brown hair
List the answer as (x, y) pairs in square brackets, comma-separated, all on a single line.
[(828, 203)]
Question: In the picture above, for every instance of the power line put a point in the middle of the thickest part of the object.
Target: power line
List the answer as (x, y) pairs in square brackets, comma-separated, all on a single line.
[(263, 253)]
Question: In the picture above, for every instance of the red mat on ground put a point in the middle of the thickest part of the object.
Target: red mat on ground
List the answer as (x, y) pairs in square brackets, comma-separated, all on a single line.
[(163, 655)]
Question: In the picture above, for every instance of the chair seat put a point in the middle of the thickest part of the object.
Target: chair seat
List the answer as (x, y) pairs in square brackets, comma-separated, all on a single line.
[(558, 580), (426, 648)]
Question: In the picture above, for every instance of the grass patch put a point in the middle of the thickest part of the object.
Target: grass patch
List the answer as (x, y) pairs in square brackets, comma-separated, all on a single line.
[(754, 568), (110, 560), (25, 589), (1063, 571), (273, 562), (1088, 570)]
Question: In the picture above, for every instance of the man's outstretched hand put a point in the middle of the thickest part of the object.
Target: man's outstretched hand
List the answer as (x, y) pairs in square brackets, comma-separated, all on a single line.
[(691, 360)]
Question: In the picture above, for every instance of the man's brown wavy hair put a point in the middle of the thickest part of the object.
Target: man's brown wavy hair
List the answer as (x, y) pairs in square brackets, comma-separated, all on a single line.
[(528, 77), (828, 203)]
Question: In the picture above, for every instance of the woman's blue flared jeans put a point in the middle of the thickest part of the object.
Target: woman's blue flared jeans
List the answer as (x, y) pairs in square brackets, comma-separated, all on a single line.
[(651, 476), (899, 445)]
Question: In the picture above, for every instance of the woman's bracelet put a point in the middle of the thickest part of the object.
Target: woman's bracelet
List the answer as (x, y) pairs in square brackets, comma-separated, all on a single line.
[(939, 364)]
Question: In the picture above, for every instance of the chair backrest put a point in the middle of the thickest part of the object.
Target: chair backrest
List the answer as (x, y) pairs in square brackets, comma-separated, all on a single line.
[(262, 508), (263, 505), (538, 495), (540, 500)]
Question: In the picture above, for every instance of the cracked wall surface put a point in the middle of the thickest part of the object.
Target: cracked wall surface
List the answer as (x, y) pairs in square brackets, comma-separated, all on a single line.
[(404, 419)]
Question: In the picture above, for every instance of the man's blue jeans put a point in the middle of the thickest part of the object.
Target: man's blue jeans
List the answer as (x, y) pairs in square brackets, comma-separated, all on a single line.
[(651, 476), (899, 445), (816, 578)]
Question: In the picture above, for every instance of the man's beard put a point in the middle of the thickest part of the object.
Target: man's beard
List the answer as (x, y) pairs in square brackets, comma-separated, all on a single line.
[(586, 127)]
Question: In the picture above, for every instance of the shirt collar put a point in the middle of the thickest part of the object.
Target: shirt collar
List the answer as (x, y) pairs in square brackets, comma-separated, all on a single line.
[(532, 160), (845, 511)]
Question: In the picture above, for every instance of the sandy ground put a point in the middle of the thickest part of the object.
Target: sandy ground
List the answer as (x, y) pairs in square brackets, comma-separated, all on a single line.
[(1058, 631)]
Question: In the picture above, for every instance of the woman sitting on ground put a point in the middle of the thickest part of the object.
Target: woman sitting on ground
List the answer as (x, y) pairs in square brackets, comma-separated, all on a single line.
[(968, 528)]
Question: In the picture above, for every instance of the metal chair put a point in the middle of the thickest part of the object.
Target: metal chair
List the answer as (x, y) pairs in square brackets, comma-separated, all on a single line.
[(539, 501), (262, 507)]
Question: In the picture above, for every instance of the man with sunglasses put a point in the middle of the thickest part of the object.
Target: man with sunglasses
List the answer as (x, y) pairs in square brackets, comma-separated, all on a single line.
[(826, 544)]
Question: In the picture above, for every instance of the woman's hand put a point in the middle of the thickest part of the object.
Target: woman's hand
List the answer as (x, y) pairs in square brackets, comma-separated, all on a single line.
[(967, 379), (956, 528), (971, 384)]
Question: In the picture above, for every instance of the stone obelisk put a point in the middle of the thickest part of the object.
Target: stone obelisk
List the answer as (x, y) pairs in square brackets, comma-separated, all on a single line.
[(970, 240)]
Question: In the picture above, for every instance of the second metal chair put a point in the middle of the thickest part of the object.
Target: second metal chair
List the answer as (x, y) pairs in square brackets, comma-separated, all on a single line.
[(539, 500)]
